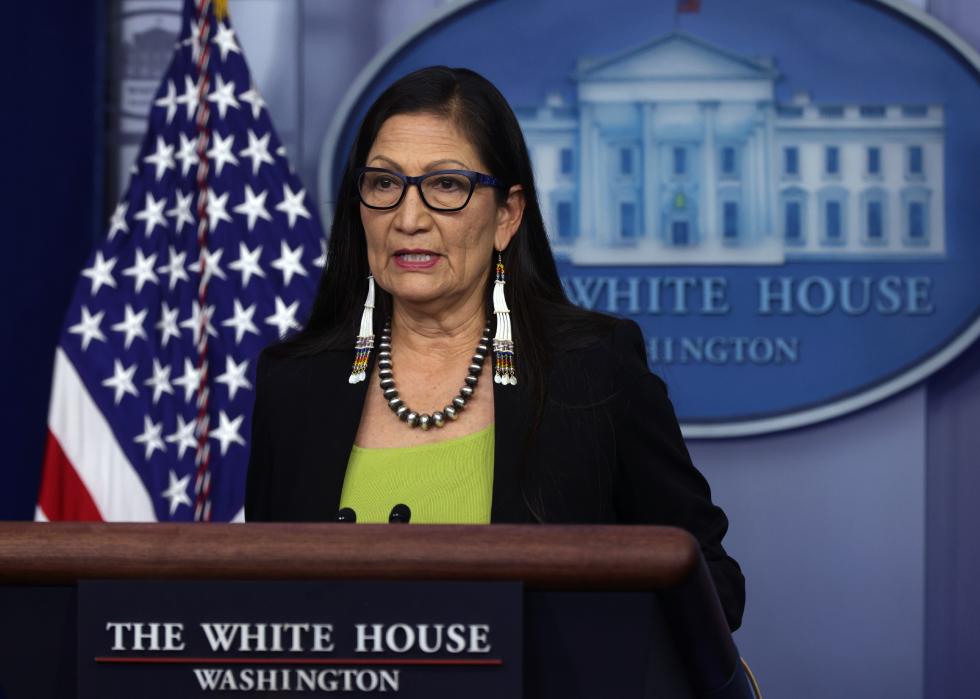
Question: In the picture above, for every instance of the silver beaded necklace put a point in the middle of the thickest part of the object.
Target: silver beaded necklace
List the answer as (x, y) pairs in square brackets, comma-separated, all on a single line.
[(424, 421)]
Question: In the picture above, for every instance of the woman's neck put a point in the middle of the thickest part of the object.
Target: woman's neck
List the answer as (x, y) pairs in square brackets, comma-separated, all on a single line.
[(447, 334)]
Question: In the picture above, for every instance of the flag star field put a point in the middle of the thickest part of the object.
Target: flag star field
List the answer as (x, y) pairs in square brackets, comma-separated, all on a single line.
[(129, 349)]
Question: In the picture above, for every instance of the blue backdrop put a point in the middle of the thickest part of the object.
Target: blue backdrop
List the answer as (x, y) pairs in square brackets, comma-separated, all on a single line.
[(53, 123)]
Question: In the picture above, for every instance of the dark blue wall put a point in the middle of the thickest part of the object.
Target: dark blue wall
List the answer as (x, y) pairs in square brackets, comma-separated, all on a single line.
[(52, 208), (952, 523)]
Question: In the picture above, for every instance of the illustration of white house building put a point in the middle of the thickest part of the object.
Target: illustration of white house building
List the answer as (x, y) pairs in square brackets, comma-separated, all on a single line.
[(677, 152)]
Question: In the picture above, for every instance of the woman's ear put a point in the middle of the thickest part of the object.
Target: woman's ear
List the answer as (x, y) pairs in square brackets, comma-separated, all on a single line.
[(509, 217)]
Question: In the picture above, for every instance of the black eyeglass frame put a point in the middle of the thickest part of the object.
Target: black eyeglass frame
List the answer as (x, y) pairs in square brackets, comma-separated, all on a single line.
[(474, 178)]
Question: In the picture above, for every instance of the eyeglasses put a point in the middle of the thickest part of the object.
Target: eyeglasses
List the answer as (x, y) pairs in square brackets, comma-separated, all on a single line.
[(441, 190)]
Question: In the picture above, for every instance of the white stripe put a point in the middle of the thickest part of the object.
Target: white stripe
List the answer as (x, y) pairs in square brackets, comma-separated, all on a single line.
[(39, 515), (91, 447), (240, 517)]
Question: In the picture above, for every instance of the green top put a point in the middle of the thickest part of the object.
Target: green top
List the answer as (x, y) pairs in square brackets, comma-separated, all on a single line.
[(448, 482)]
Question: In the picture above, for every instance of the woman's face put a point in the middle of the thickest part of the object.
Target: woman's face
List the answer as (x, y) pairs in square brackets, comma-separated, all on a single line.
[(434, 259)]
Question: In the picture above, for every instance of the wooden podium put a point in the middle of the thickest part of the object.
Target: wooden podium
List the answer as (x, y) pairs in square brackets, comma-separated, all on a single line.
[(608, 610)]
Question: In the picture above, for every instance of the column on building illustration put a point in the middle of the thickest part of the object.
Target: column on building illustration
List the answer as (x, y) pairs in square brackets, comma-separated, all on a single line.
[(766, 224), (588, 173), (709, 178), (651, 175), (750, 183), (760, 153)]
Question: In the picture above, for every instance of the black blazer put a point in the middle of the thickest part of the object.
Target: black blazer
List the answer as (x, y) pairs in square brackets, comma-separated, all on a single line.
[(607, 448)]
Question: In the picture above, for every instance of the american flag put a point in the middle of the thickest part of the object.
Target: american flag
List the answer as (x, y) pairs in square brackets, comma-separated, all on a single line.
[(212, 253)]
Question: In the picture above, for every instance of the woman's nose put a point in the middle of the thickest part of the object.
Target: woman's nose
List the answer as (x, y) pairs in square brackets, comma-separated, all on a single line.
[(412, 215)]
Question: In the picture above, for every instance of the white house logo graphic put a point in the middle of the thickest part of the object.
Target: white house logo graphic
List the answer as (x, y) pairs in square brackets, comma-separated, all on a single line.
[(677, 152), (783, 195)]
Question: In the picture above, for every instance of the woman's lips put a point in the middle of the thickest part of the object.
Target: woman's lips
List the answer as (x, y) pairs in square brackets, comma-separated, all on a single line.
[(416, 259)]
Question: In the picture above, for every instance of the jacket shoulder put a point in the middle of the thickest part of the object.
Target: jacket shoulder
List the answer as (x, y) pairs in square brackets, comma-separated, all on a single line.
[(605, 360), (278, 373)]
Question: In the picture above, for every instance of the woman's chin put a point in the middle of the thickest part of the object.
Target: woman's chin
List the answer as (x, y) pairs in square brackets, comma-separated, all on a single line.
[(418, 294)]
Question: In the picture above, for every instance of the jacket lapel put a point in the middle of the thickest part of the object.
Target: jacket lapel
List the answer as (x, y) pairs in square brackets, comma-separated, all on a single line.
[(339, 414), (511, 422)]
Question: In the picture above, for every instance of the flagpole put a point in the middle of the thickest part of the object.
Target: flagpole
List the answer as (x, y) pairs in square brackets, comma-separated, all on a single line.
[(202, 460)]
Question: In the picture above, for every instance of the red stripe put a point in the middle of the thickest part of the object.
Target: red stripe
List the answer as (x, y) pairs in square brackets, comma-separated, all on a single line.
[(478, 662), (63, 496)]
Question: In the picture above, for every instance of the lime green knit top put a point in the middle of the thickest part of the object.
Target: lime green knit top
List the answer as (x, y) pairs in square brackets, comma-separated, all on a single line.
[(449, 482)]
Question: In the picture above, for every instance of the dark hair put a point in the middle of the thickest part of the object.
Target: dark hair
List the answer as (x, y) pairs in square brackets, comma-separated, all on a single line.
[(541, 311)]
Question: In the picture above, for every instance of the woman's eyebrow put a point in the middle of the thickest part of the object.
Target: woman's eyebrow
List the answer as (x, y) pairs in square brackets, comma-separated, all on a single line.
[(392, 163), (430, 166), (438, 163)]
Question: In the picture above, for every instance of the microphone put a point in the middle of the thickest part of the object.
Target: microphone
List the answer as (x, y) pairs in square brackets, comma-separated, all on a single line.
[(346, 514), (400, 514)]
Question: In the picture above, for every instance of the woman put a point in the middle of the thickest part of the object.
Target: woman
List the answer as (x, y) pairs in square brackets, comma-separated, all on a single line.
[(488, 397)]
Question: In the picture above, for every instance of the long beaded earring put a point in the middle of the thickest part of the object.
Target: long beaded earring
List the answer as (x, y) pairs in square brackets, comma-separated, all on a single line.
[(503, 341), (365, 337)]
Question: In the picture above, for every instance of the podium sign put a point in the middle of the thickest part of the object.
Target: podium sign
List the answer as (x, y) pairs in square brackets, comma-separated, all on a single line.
[(201, 638), (617, 611)]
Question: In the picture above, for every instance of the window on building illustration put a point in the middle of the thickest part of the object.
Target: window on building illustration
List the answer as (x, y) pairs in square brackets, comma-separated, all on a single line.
[(917, 221), (626, 161), (730, 220), (876, 229), (915, 160), (680, 160), (791, 161), (832, 160), (874, 160), (874, 111), (832, 212), (794, 223), (564, 219), (627, 219), (728, 161), (680, 233), (567, 165), (915, 110)]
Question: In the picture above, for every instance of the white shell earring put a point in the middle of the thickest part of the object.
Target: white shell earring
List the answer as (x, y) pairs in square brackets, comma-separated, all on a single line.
[(365, 337), (503, 340)]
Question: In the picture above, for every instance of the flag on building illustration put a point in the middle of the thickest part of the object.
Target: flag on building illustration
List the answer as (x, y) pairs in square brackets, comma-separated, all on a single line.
[(212, 253)]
